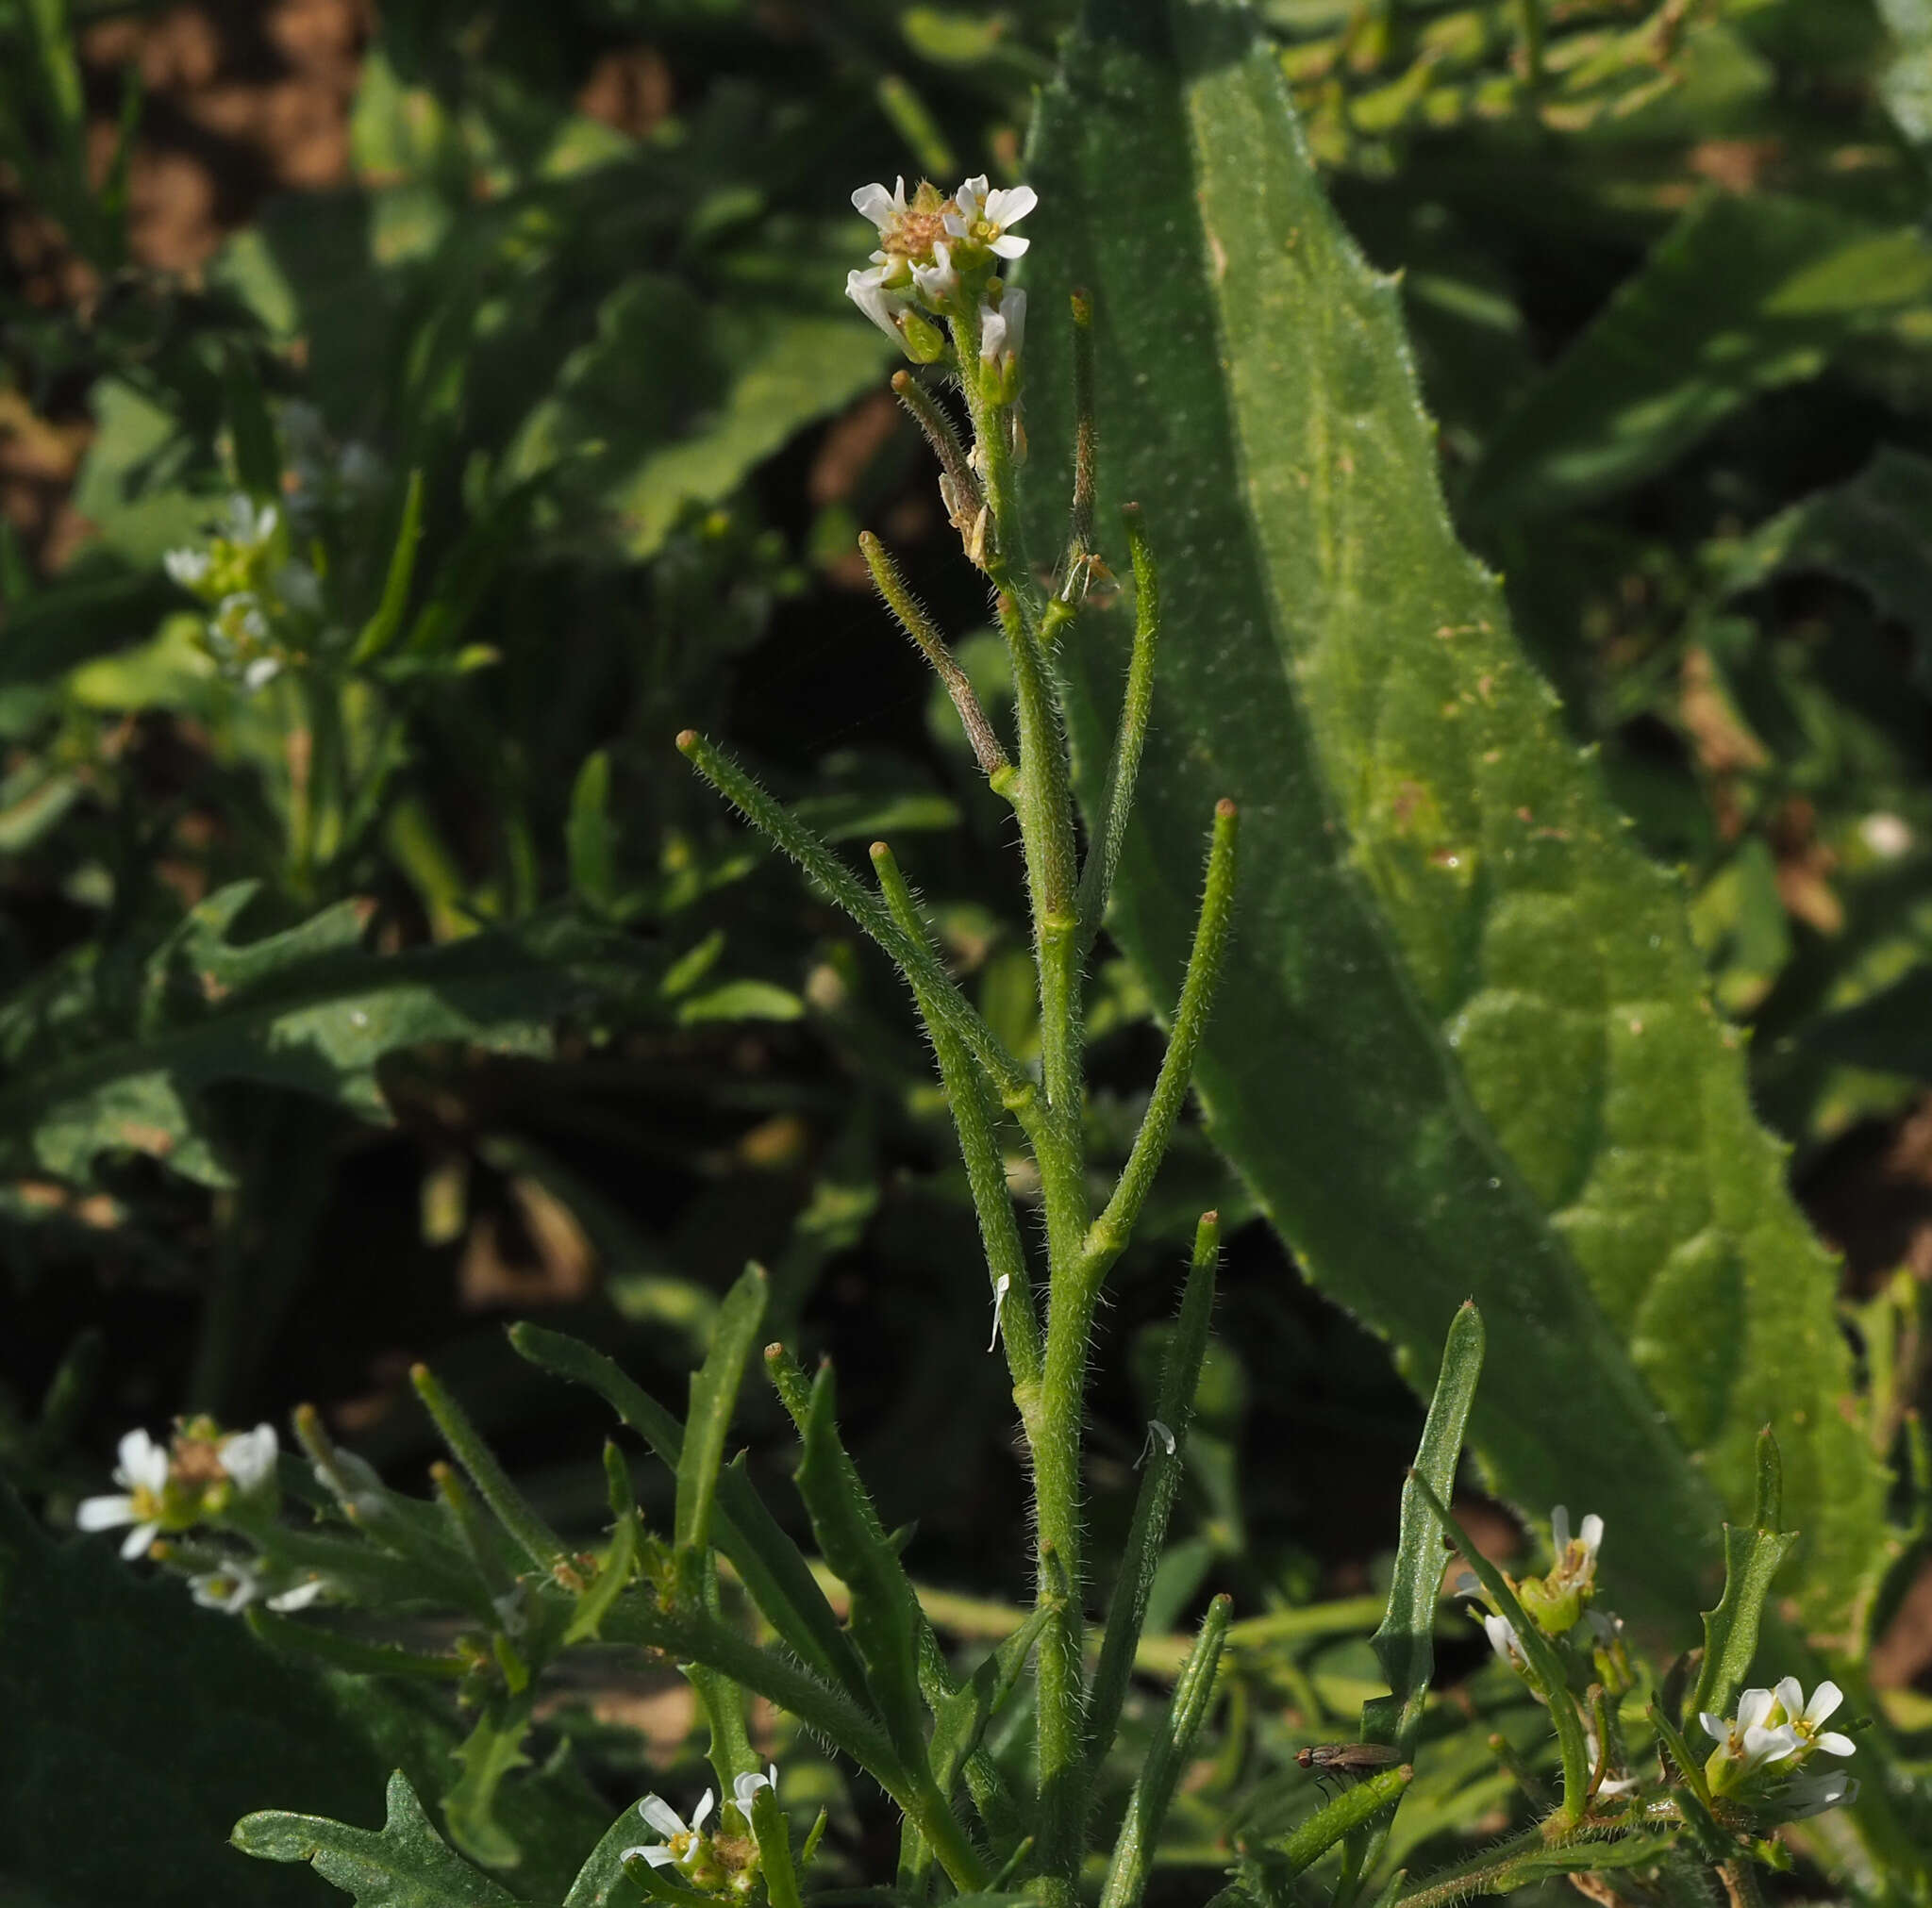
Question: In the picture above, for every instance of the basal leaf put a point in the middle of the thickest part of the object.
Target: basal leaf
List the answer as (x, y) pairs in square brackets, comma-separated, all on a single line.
[(302, 1010), (1742, 295), (1462, 1045), (407, 1864)]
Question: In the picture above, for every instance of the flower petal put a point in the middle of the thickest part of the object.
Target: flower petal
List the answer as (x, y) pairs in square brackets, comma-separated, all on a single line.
[(1593, 1533), (138, 1540), (1824, 1701), (1753, 1707), (881, 207), (143, 1461), (1833, 1743), (300, 1597), (103, 1513), (249, 1456), (703, 1809), (1010, 247), (661, 1816), (654, 1852), (745, 1787), (1559, 1529), (1714, 1726), (1008, 206)]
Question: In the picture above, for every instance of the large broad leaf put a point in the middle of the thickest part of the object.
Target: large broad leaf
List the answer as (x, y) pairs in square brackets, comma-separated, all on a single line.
[(139, 1727), (1462, 1045), (1741, 296), (304, 1010)]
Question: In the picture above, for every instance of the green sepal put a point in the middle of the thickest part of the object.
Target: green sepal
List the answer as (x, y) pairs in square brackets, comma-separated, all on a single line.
[(714, 1389), (1355, 1808), (885, 1617), (404, 1865), (1751, 1556)]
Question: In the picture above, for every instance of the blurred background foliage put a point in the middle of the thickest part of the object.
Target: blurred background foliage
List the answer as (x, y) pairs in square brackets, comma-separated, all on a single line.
[(341, 1025)]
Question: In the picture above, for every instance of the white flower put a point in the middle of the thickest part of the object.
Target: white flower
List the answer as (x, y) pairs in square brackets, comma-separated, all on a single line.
[(745, 1788), (1806, 1719), (1506, 1642), (230, 1589), (260, 673), (1001, 1286), (983, 216), (248, 526), (1752, 1739), (1002, 326), (880, 306), (187, 567), (1590, 1536), (142, 1473), (937, 281), (1813, 1795), (249, 1456), (678, 1833), (881, 207)]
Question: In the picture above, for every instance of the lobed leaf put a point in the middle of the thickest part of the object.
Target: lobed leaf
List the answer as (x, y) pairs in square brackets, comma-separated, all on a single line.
[(406, 1864)]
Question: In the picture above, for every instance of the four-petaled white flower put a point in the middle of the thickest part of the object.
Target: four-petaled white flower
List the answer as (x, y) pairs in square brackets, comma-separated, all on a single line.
[(868, 293), (983, 217), (1752, 1739), (1589, 1539), (1002, 327), (249, 1456), (142, 1473), (1807, 1719), (1813, 1795), (678, 1832), (187, 567)]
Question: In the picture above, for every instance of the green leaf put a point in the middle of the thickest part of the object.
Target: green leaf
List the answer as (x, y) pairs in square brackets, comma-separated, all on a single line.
[(714, 1389), (386, 624), (1751, 1556), (1742, 295), (961, 1718), (748, 377), (1462, 1045), (407, 1866), (589, 837), (1405, 1642), (1873, 532), (773, 1570), (602, 1883), (493, 1749), (303, 1010), (886, 1619)]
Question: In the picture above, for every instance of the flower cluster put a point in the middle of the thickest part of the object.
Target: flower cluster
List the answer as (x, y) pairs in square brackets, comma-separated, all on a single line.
[(1559, 1599), (254, 594), (939, 258), (203, 1475), (1775, 1732), (722, 1863)]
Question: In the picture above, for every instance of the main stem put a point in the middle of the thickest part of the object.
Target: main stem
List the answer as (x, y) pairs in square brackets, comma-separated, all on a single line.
[(1044, 807)]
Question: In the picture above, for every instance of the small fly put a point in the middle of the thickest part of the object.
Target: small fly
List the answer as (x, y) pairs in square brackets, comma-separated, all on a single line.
[(1345, 1759)]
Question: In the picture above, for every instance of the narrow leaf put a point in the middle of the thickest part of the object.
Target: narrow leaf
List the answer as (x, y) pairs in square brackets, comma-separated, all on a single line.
[(1751, 1556), (387, 623), (713, 1398)]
